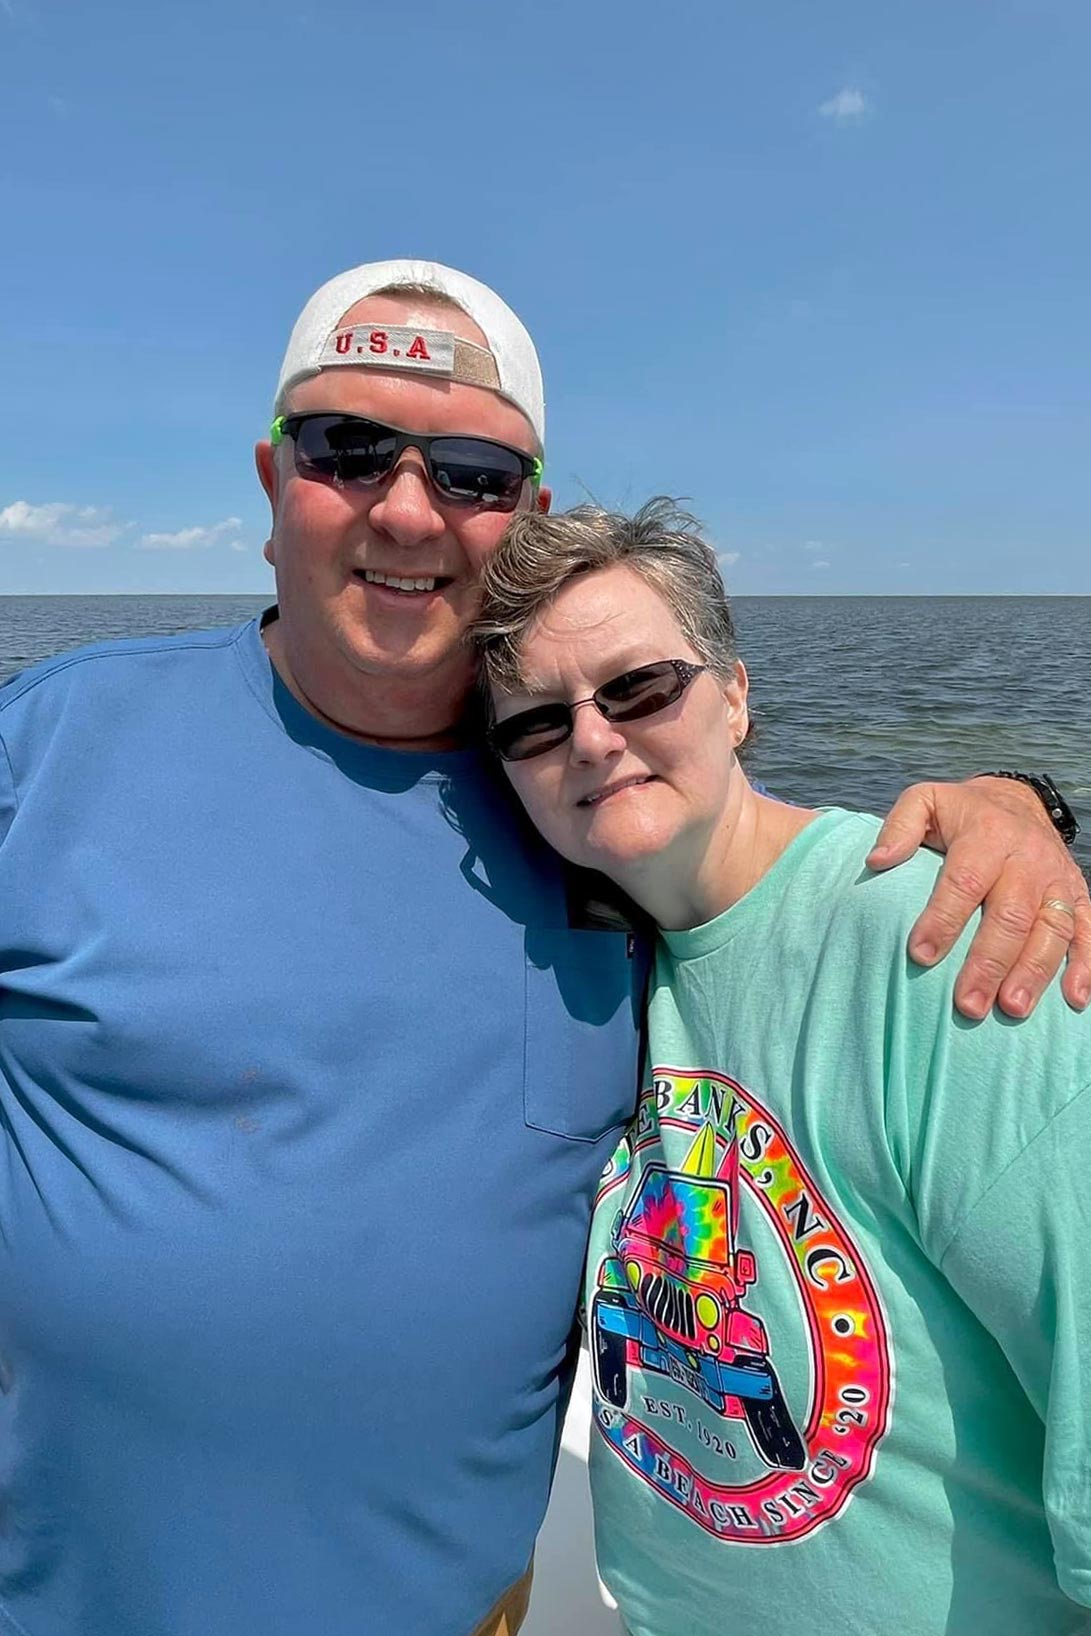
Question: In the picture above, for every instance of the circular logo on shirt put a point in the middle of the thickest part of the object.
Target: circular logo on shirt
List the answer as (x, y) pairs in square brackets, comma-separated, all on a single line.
[(740, 1354)]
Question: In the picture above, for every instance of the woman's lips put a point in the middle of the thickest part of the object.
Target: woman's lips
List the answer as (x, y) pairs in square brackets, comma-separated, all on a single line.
[(598, 796)]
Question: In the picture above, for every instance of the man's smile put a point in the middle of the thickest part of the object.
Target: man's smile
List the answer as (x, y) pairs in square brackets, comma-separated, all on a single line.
[(402, 584)]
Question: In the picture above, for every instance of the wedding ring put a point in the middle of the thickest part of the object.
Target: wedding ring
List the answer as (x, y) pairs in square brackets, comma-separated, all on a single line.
[(1059, 903)]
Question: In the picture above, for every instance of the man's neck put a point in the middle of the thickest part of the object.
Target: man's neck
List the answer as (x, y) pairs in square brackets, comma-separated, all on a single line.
[(394, 715)]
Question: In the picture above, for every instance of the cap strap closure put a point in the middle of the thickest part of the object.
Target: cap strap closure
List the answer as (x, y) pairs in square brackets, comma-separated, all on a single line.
[(419, 351)]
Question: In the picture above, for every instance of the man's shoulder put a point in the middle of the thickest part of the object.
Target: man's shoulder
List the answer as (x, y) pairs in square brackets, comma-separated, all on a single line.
[(101, 669)]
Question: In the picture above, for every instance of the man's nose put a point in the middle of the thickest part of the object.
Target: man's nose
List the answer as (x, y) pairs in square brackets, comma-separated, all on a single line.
[(594, 739), (406, 509)]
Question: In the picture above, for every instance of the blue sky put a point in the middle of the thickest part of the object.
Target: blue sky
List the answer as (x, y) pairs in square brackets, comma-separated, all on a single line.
[(820, 268)]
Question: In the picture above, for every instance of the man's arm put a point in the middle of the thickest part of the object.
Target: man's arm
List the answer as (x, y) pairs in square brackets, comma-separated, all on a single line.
[(1003, 852)]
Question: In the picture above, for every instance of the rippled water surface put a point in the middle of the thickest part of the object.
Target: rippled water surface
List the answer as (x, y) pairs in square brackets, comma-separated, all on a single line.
[(855, 695)]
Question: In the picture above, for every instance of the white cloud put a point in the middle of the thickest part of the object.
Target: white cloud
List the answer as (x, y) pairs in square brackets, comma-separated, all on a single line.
[(58, 523), (727, 558), (820, 564), (197, 538), (813, 545), (847, 107), (22, 518)]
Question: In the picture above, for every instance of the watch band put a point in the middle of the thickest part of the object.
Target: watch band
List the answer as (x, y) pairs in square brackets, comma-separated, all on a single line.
[(1061, 815)]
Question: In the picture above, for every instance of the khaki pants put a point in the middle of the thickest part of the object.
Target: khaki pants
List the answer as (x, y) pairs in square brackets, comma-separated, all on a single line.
[(508, 1614)]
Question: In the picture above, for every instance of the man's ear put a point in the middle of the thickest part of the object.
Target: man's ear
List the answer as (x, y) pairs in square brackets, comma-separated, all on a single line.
[(265, 459), (543, 499)]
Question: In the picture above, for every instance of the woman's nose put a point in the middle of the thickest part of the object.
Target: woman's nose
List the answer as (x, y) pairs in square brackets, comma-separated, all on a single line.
[(593, 737)]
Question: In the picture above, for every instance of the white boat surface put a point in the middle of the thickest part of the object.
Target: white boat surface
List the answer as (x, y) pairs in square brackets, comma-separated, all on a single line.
[(568, 1598)]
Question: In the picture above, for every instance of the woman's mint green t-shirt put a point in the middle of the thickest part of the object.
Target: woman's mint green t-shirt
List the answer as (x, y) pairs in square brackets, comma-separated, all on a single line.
[(839, 1288)]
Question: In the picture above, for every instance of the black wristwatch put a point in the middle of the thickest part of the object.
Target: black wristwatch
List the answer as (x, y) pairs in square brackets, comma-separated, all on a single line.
[(1061, 814)]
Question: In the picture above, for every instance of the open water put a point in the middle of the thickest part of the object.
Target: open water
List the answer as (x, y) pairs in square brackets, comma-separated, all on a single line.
[(855, 696)]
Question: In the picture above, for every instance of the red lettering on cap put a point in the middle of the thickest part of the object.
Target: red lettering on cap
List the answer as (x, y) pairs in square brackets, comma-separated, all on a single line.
[(418, 349), (344, 341), (378, 340)]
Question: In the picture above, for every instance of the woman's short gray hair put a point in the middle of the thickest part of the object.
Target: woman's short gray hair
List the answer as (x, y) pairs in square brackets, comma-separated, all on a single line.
[(539, 554)]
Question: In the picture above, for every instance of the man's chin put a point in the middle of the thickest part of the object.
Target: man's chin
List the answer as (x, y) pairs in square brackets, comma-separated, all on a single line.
[(384, 658)]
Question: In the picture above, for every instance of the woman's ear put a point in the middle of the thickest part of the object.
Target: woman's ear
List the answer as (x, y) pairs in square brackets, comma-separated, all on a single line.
[(736, 694)]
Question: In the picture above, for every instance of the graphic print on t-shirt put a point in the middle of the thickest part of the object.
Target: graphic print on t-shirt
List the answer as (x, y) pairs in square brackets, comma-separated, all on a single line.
[(740, 1354)]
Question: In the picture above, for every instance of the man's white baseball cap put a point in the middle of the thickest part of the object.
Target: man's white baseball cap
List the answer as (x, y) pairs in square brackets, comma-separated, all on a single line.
[(508, 364)]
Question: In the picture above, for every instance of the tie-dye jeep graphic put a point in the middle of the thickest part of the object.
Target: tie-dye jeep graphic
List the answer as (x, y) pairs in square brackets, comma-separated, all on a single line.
[(669, 1301)]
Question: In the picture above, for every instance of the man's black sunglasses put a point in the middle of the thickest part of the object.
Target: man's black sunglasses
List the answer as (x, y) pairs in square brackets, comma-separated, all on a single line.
[(640, 692), (349, 451)]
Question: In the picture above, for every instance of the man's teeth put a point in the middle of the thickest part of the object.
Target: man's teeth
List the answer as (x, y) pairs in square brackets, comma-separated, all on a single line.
[(398, 584)]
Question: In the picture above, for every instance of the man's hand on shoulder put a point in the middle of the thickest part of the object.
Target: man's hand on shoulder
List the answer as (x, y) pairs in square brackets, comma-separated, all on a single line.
[(1003, 852)]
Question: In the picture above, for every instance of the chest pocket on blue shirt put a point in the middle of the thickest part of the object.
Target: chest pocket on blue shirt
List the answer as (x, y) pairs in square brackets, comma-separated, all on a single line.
[(580, 1068)]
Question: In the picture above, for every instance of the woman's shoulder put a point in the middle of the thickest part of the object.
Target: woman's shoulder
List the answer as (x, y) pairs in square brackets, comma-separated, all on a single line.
[(862, 919), (968, 1096), (833, 870), (874, 910)]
